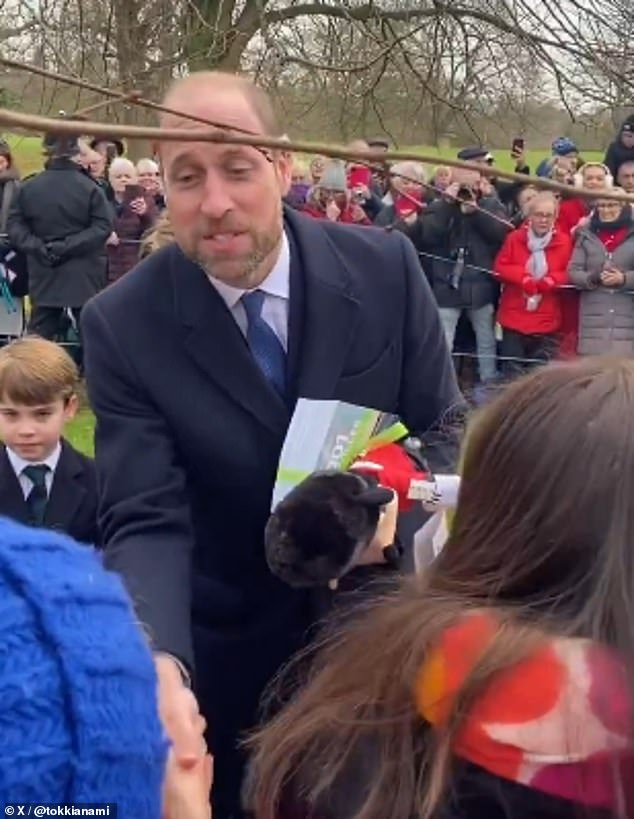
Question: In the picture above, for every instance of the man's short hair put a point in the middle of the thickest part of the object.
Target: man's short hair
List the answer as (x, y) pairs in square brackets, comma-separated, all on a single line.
[(34, 372), (259, 99)]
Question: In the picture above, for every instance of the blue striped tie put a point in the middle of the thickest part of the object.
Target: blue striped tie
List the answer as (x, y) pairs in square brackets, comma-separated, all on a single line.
[(265, 345)]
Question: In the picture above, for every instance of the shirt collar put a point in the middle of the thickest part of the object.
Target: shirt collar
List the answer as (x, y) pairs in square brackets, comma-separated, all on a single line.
[(277, 283), (19, 463)]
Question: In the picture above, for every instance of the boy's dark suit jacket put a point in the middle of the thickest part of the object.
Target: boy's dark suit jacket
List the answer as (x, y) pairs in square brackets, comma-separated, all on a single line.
[(72, 502), (189, 434)]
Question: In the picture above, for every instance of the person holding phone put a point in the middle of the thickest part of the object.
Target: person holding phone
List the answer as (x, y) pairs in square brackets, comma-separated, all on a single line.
[(134, 213)]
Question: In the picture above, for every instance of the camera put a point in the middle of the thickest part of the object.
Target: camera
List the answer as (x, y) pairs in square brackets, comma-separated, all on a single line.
[(465, 193), (358, 197)]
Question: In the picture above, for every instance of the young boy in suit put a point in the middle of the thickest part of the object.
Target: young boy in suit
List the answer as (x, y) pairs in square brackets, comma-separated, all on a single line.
[(44, 481)]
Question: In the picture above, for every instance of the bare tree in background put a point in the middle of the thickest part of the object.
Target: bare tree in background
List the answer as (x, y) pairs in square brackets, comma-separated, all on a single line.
[(419, 70)]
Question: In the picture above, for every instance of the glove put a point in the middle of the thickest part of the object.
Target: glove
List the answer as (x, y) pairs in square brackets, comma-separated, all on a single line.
[(54, 252), (546, 284), (529, 286)]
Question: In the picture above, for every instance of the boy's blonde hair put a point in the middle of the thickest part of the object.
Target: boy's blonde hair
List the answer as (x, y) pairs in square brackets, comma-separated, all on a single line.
[(34, 371)]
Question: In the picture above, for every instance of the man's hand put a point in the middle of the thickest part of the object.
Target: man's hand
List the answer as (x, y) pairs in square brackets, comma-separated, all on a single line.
[(186, 790), (179, 713), (113, 239), (485, 186)]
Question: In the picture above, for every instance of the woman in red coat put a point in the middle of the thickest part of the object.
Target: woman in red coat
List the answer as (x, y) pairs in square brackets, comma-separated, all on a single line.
[(532, 265)]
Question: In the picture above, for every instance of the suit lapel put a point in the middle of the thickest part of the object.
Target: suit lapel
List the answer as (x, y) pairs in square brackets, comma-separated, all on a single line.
[(323, 308), (67, 492), (12, 500), (215, 342)]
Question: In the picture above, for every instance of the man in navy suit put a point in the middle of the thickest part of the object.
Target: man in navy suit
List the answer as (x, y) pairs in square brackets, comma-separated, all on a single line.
[(194, 361)]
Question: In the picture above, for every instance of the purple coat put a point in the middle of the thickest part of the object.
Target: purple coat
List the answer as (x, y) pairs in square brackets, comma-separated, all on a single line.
[(129, 227)]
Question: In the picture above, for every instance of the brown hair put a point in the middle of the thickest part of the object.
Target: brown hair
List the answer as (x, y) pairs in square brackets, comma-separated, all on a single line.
[(34, 371), (542, 536)]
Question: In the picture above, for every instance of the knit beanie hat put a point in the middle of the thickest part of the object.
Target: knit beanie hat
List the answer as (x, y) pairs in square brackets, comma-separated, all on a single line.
[(334, 176), (79, 718), (564, 146)]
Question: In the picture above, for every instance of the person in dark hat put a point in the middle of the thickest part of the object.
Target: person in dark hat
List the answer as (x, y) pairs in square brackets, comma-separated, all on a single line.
[(476, 153), (108, 147), (622, 148), (60, 220), (506, 191), (378, 144)]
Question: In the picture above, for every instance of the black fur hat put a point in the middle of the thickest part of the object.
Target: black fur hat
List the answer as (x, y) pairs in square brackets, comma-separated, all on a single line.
[(316, 533)]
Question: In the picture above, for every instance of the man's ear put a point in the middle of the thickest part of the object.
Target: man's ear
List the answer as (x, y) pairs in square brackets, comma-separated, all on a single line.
[(284, 168), (375, 496)]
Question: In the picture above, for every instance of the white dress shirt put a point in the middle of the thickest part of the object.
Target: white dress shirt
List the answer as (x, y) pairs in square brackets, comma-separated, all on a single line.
[(276, 289), (19, 465)]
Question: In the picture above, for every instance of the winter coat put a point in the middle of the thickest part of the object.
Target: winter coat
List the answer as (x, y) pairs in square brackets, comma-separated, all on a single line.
[(60, 220), (9, 184), (606, 314), (441, 230), (510, 268), (130, 228), (617, 153), (571, 211)]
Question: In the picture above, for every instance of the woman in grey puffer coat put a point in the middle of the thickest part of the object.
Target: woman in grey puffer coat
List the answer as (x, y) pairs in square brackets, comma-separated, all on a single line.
[(602, 267)]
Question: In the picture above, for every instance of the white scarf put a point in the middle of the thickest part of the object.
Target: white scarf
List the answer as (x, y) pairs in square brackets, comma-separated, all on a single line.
[(537, 264)]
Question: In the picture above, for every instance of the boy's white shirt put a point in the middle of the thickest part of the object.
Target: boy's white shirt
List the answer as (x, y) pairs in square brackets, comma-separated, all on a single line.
[(18, 465)]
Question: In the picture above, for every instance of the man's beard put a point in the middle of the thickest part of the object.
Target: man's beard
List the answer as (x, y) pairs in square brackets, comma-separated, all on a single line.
[(246, 271)]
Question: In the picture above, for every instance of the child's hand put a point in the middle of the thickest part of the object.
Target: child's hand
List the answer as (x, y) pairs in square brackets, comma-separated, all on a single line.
[(186, 789), (383, 537)]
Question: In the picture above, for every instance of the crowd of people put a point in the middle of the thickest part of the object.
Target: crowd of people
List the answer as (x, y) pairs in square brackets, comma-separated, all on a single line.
[(510, 269), (497, 682), (509, 264)]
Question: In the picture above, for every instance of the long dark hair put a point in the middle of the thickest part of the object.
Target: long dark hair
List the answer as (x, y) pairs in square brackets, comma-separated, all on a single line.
[(542, 535)]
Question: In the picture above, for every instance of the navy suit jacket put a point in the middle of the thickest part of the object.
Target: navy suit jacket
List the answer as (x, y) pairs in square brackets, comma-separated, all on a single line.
[(72, 503), (189, 434)]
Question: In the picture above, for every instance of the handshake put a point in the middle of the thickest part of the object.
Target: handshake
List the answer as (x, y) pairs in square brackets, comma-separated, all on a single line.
[(189, 774)]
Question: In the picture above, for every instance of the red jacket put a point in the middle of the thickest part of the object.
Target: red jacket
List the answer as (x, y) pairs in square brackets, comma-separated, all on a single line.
[(571, 211), (510, 268)]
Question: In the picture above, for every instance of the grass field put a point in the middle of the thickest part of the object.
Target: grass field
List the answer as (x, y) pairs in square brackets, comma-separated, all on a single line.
[(80, 431), (28, 156)]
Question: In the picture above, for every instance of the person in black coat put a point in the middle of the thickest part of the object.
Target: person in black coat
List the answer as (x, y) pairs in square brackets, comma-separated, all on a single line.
[(621, 149), (193, 397), (44, 481), (60, 220), (459, 237)]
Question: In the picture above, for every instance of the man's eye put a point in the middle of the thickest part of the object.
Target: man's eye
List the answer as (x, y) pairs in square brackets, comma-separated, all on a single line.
[(186, 178), (239, 171)]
